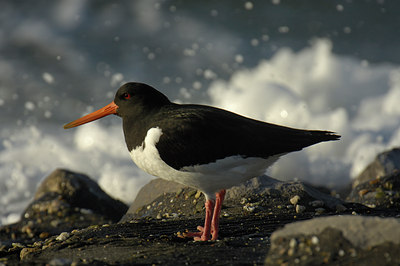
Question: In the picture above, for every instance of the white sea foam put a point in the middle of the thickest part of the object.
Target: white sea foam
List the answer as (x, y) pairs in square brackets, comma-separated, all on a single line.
[(315, 89), (312, 88), (30, 154)]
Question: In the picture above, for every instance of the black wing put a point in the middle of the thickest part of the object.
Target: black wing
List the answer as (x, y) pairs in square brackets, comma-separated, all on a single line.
[(196, 134)]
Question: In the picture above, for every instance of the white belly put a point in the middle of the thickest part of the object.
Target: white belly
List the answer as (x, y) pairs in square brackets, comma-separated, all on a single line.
[(208, 178)]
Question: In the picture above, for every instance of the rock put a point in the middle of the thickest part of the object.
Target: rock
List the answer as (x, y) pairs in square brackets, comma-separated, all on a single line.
[(150, 192), (64, 201), (337, 239), (300, 208), (257, 194), (58, 231), (382, 192), (384, 164), (295, 199), (79, 191)]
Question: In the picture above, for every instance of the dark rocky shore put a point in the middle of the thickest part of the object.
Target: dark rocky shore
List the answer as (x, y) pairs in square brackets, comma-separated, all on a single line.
[(71, 221)]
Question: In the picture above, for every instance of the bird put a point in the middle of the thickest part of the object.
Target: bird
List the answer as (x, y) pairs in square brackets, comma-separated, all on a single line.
[(203, 147)]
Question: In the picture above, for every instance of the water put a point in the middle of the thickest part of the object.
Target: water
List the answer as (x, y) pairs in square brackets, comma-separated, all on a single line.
[(315, 65)]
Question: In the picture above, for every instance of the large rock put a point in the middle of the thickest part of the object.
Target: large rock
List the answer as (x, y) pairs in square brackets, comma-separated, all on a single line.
[(384, 164), (337, 239), (379, 184), (79, 191), (64, 201), (383, 192), (164, 199)]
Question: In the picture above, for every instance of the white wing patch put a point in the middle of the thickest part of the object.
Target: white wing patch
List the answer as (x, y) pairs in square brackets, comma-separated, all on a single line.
[(208, 178)]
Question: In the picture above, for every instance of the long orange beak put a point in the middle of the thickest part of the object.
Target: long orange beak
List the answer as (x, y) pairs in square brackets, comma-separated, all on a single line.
[(106, 110)]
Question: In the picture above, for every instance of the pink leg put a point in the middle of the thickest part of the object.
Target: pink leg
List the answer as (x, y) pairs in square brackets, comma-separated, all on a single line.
[(204, 232), (217, 211)]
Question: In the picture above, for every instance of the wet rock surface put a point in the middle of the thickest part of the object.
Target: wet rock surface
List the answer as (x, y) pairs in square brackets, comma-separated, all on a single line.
[(261, 194), (384, 164), (147, 234), (335, 240), (63, 202), (382, 192), (378, 186)]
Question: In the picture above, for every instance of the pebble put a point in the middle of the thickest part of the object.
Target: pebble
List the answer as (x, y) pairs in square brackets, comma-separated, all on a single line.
[(316, 203), (44, 235), (26, 251), (198, 194), (17, 245), (295, 199), (300, 208), (293, 243), (314, 240), (63, 236), (190, 194), (319, 211), (249, 208), (340, 208), (60, 261)]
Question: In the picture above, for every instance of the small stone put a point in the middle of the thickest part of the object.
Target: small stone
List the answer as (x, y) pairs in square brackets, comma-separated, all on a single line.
[(300, 208), (340, 208), (362, 192), (63, 236), (86, 211), (341, 253), (44, 235), (38, 244), (249, 208), (316, 203), (190, 194), (198, 194), (293, 243), (295, 199), (17, 245), (60, 261), (314, 240), (319, 211), (179, 192), (26, 251), (243, 201)]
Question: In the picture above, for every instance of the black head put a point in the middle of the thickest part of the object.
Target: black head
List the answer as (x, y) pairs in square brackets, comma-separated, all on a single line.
[(132, 100), (138, 98)]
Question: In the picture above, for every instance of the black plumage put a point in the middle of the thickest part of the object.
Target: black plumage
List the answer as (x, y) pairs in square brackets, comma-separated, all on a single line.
[(199, 134)]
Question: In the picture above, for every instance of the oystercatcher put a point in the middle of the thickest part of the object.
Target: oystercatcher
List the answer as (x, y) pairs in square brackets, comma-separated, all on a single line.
[(200, 146)]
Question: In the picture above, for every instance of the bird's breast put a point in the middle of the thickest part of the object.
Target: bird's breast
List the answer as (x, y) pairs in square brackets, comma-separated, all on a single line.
[(209, 177)]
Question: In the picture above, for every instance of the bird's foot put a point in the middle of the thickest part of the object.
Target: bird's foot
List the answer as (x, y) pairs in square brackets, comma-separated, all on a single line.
[(197, 236), (210, 229)]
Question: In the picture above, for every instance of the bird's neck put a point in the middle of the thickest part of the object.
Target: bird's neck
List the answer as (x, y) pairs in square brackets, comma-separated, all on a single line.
[(134, 131)]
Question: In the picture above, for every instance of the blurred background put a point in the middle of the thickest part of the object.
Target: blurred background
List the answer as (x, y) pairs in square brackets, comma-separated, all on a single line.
[(331, 65)]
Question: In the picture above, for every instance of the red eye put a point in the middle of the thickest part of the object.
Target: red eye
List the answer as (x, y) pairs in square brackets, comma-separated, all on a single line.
[(126, 96)]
